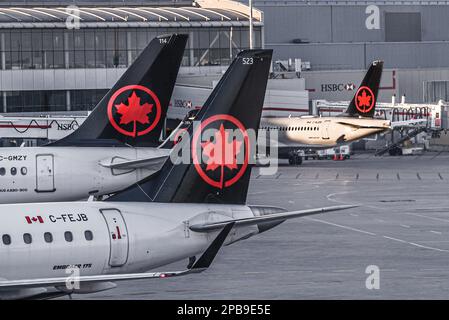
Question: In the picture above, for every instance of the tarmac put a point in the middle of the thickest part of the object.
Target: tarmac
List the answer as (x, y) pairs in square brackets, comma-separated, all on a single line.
[(401, 228)]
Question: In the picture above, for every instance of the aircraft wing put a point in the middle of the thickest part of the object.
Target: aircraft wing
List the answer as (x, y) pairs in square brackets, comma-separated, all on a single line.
[(362, 126), (200, 265), (135, 164), (267, 218)]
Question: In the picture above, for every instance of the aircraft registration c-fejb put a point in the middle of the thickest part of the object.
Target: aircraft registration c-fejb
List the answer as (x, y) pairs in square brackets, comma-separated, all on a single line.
[(184, 211), (117, 144)]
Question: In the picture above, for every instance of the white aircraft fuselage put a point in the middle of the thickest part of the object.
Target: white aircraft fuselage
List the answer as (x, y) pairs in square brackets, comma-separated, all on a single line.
[(122, 237), (40, 174), (322, 132)]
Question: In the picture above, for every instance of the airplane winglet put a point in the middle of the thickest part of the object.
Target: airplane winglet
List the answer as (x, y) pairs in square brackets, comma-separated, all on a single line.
[(209, 255)]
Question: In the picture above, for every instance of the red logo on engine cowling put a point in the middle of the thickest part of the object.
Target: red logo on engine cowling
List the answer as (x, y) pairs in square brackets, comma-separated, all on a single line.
[(364, 99), (134, 110), (216, 159)]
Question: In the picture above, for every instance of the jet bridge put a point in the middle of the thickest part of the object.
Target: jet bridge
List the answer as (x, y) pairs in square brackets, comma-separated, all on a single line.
[(408, 120), (434, 117)]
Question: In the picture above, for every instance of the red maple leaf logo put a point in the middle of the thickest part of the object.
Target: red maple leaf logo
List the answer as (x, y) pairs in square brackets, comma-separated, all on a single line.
[(221, 152), (364, 100), (134, 111)]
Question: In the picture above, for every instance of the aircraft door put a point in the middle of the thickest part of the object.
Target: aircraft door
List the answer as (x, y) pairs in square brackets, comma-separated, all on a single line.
[(325, 128), (45, 180), (118, 237)]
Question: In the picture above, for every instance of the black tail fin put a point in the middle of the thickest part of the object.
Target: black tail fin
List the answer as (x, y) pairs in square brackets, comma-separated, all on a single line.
[(134, 110), (364, 101), (235, 104)]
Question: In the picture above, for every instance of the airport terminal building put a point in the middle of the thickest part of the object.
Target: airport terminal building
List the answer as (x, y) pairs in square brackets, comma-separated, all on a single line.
[(58, 57), (51, 60)]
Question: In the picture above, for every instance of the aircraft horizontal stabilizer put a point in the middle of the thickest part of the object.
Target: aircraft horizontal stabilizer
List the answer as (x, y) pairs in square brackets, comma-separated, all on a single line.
[(148, 163), (200, 265), (267, 218)]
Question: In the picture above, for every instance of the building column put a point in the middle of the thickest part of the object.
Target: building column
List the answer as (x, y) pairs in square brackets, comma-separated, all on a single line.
[(5, 107), (128, 46), (67, 100), (66, 50), (192, 55), (3, 51)]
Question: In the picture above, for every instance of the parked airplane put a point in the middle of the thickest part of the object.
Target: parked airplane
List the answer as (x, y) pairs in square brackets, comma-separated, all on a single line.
[(313, 132), (184, 210), (113, 148)]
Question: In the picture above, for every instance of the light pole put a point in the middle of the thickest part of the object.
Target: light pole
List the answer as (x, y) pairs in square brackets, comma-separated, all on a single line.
[(251, 24)]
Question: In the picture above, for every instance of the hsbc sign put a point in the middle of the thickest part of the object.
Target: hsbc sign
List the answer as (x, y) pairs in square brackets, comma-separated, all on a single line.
[(334, 87)]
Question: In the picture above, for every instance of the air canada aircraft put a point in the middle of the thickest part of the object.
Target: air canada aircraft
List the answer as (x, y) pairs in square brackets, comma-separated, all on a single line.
[(116, 146), (313, 132), (183, 211)]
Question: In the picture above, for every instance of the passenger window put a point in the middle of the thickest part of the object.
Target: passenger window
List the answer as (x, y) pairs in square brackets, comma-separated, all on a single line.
[(23, 171), (68, 236), (48, 237), (27, 238), (88, 235), (2, 171), (6, 239), (13, 171)]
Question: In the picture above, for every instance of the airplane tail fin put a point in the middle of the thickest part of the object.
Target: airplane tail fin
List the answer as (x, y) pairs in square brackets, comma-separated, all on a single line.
[(222, 142), (364, 101), (134, 110)]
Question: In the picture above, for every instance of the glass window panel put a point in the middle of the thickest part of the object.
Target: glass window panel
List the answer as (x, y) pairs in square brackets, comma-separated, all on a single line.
[(36, 40), (37, 59), (89, 39), (58, 40), (78, 39), (90, 59), (141, 40), (7, 36), (100, 40), (8, 60), (110, 39), (79, 59), (47, 40), (111, 60), (100, 59), (15, 60), (132, 39), (69, 45), (121, 40), (26, 41), (58, 60), (26, 59), (122, 59), (15, 41), (48, 59)]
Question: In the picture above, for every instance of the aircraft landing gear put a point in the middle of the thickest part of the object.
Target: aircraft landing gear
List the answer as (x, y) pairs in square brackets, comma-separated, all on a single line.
[(295, 159)]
